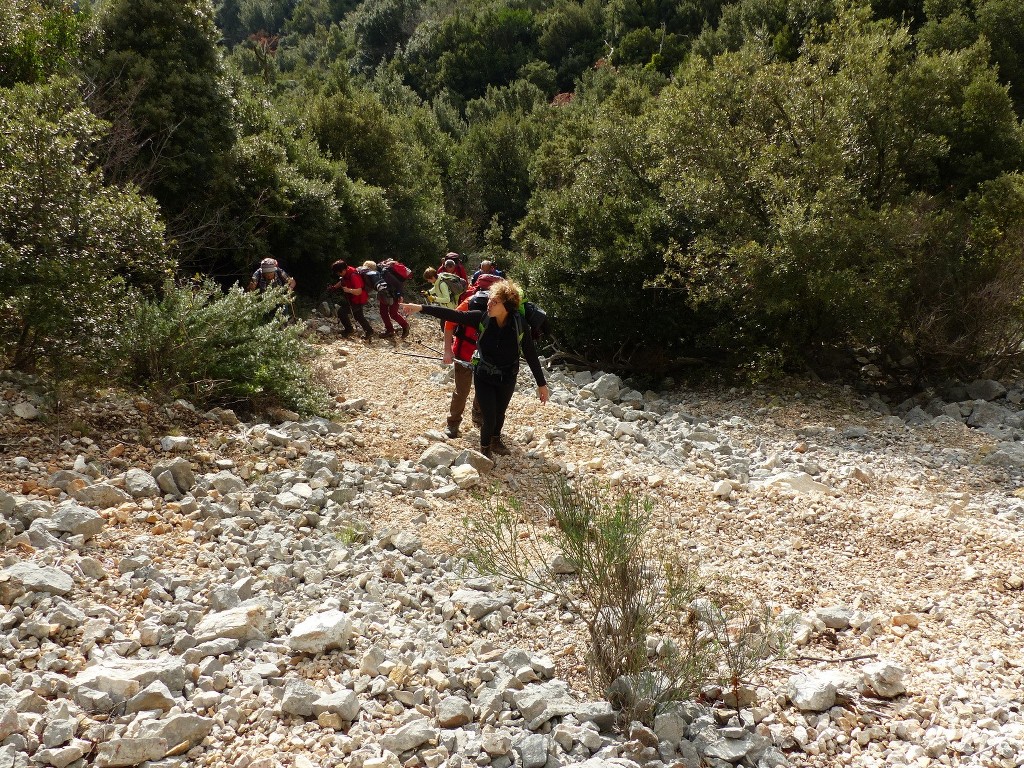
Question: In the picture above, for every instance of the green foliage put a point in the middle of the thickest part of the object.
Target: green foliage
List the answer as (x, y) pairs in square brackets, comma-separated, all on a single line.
[(38, 39), (159, 78), (571, 39), (464, 53), (70, 247), (625, 588), (956, 24), (778, 26), (212, 347), (489, 176), (817, 190), (382, 26), (394, 201), (596, 229)]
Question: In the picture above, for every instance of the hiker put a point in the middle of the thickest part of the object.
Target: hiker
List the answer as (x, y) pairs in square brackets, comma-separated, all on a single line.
[(459, 345), (268, 275), (353, 299), (486, 268), (389, 298), (440, 292), (501, 339), (452, 262)]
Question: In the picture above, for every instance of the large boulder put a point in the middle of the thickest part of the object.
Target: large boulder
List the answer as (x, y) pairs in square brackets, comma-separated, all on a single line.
[(101, 495), (606, 387), (244, 622), (321, 632), (27, 576)]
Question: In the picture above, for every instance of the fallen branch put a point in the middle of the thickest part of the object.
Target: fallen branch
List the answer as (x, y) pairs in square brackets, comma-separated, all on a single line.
[(858, 657), (987, 612)]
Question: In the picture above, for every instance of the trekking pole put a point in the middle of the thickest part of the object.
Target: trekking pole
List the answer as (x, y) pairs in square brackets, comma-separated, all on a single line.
[(427, 346), (425, 357)]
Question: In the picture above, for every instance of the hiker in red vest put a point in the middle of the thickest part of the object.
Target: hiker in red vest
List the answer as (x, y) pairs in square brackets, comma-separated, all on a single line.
[(353, 299)]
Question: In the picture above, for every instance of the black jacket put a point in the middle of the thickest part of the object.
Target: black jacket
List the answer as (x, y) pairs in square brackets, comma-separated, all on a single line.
[(498, 346)]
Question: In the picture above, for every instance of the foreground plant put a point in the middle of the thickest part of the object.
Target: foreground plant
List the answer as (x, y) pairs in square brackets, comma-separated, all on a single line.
[(624, 588), (217, 347)]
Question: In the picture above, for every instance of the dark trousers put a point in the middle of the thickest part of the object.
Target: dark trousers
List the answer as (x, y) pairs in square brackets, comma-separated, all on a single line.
[(389, 312), (494, 393), (347, 310)]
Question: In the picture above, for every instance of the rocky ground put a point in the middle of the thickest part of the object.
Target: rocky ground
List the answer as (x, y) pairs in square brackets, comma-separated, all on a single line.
[(180, 588)]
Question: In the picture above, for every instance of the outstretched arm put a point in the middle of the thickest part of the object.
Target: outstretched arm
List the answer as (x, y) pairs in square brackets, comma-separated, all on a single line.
[(472, 317)]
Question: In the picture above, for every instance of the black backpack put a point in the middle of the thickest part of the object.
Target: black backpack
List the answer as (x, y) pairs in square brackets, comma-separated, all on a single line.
[(375, 284), (393, 274), (537, 319)]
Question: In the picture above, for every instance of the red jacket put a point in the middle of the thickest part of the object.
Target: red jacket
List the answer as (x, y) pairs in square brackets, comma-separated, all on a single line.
[(464, 338), (350, 278)]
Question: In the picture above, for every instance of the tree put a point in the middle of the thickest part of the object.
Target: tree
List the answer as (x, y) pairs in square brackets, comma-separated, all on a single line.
[(596, 227), (71, 247), (38, 39), (490, 169), (823, 193), (158, 69)]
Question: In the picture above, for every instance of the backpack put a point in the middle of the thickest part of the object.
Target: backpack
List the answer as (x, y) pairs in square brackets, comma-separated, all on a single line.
[(477, 361), (394, 274), (375, 284), (536, 318), (467, 334), (456, 285)]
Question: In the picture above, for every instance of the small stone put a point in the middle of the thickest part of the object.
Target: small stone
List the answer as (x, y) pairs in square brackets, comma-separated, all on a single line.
[(454, 712), (883, 679), (25, 411)]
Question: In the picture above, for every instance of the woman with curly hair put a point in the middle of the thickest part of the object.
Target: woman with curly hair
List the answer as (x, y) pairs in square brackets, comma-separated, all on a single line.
[(502, 335)]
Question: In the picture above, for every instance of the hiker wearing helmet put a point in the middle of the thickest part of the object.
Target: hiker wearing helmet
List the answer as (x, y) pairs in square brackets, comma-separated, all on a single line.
[(354, 298), (500, 341), (269, 275)]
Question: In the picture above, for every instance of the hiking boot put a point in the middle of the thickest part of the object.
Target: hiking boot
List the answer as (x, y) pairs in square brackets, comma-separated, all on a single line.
[(346, 333), (486, 451), (405, 332), (499, 447), (387, 334), (368, 338), (451, 432)]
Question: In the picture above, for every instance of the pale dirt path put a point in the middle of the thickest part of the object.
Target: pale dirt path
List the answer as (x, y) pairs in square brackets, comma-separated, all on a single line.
[(912, 535), (906, 538)]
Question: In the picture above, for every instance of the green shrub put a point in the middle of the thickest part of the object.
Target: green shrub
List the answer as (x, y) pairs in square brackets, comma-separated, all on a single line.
[(71, 247), (625, 588), (220, 348)]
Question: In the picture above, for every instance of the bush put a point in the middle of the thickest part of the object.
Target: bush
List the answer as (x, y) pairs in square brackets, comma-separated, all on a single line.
[(220, 348), (71, 247), (625, 588)]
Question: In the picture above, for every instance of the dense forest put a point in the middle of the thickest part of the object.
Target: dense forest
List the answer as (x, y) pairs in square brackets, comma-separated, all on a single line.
[(757, 185)]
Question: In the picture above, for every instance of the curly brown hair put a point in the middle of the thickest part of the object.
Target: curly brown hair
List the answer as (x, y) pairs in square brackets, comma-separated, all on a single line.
[(507, 293)]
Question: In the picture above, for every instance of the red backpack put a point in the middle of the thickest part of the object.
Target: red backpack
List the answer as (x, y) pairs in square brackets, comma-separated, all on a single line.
[(395, 273)]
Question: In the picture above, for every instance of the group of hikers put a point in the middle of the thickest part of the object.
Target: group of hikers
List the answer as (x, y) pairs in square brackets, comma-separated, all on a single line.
[(486, 323)]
